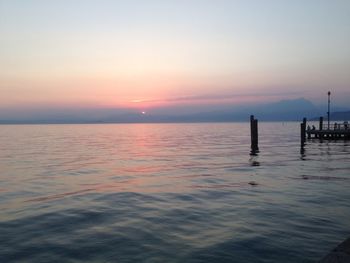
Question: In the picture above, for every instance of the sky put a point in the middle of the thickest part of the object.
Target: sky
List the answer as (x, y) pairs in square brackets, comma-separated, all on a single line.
[(150, 55)]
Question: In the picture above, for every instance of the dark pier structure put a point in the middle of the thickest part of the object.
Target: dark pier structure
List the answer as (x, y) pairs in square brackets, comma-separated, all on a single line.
[(333, 131)]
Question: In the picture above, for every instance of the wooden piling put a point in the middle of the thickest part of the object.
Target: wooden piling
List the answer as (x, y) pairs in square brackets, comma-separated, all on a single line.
[(254, 134), (321, 124), (303, 132)]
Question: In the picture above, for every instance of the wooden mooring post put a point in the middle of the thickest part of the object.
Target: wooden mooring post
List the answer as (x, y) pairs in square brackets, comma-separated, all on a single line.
[(321, 124), (320, 129), (303, 132), (254, 134)]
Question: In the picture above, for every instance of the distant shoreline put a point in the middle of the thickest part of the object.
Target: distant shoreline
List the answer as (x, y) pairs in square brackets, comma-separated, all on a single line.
[(154, 122)]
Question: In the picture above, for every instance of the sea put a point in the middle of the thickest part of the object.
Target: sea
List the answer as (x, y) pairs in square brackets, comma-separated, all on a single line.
[(180, 192)]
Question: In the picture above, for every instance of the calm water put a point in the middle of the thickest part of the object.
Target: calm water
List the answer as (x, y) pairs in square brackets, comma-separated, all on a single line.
[(170, 193)]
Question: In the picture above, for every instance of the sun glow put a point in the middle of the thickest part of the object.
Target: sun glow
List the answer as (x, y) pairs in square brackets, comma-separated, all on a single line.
[(136, 101)]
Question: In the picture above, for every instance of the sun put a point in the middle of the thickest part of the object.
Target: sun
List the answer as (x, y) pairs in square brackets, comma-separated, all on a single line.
[(143, 112)]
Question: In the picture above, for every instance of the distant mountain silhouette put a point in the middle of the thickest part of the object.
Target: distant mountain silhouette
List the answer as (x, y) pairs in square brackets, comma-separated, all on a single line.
[(287, 110), (284, 110), (336, 116), (340, 116)]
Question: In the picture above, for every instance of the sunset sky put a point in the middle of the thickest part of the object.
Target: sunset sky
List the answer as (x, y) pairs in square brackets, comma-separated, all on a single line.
[(148, 54)]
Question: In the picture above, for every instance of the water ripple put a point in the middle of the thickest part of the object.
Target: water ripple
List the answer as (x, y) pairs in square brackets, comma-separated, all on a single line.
[(170, 193)]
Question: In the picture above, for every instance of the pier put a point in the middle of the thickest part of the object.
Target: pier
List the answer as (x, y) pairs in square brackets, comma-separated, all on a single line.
[(333, 131)]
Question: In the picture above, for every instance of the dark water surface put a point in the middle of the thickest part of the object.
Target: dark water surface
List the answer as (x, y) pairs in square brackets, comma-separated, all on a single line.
[(170, 193)]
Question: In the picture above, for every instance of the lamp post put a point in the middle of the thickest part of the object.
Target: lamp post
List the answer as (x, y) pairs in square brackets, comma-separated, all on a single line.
[(329, 101)]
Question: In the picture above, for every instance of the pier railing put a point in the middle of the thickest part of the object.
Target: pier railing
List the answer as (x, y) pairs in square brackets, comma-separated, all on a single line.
[(337, 126)]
